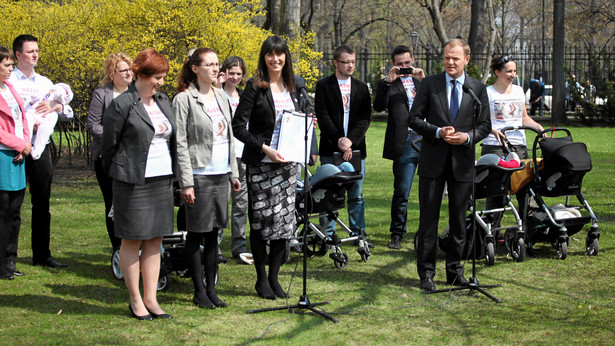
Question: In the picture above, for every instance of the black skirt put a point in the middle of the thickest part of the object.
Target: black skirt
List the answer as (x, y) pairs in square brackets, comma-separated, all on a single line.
[(210, 208), (142, 212)]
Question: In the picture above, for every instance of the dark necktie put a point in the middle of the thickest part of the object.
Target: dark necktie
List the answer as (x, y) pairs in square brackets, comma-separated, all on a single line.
[(454, 102)]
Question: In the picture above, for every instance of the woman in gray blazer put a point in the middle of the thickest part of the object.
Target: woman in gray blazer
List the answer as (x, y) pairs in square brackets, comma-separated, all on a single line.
[(118, 75), (206, 166), (138, 152)]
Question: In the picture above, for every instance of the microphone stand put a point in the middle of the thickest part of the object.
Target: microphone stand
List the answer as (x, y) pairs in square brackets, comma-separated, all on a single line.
[(304, 300), (473, 285)]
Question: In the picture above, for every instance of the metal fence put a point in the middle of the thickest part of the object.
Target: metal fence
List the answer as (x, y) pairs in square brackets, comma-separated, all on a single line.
[(531, 63)]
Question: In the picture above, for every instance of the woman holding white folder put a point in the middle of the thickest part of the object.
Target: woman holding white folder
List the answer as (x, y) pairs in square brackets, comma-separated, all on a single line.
[(271, 179)]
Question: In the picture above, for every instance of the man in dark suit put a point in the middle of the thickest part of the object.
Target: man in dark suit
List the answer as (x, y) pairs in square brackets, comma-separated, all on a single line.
[(444, 115), (343, 108), (396, 93)]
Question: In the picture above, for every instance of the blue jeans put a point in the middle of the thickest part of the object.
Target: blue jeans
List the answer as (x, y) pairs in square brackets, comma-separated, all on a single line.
[(355, 204), (404, 168)]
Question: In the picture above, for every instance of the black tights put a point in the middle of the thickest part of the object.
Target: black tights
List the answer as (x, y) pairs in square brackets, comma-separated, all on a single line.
[(205, 296), (268, 286)]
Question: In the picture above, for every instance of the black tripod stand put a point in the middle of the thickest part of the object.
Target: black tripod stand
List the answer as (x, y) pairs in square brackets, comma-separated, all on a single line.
[(304, 300), (473, 285)]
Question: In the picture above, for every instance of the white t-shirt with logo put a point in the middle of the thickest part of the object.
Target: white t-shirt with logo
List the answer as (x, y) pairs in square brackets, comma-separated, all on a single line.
[(506, 110), (345, 90), (159, 161), (410, 88), (282, 101), (219, 163), (234, 102)]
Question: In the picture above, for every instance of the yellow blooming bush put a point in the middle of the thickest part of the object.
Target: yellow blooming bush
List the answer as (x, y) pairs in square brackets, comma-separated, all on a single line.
[(75, 37)]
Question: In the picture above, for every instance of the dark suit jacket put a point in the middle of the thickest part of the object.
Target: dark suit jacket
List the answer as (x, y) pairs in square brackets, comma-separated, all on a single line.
[(101, 98), (393, 97), (128, 133), (329, 110), (431, 104), (256, 107)]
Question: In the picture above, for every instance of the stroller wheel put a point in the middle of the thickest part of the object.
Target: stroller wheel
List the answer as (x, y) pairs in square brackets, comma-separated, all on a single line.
[(490, 254), (363, 250), (340, 259), (115, 265), (164, 282), (515, 246), (592, 246), (562, 250)]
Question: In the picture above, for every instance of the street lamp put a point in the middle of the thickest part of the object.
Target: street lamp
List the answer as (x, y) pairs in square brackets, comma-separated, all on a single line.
[(414, 39)]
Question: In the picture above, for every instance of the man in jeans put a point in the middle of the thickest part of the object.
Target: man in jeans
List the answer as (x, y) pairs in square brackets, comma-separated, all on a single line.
[(343, 107), (396, 94)]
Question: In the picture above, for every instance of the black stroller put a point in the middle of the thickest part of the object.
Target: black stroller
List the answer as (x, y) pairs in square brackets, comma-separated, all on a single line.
[(492, 180), (323, 200), (558, 173), (172, 251)]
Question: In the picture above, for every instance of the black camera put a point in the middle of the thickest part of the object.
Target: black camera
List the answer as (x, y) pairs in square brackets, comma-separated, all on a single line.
[(405, 70)]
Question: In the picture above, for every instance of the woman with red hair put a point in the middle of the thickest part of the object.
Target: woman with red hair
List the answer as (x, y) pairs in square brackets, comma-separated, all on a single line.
[(138, 151)]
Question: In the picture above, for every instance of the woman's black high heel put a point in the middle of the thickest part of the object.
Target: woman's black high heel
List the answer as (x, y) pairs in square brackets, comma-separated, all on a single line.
[(209, 305), (147, 317), (260, 294), (163, 316)]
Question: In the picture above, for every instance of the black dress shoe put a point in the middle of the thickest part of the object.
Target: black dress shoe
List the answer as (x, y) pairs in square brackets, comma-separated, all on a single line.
[(50, 262), (162, 316), (18, 273), (147, 317), (222, 259), (395, 242), (427, 285), (6, 277), (459, 280)]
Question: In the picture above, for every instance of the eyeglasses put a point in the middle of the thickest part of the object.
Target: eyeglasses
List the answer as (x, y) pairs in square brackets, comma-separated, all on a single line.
[(211, 64), (125, 71), (348, 62)]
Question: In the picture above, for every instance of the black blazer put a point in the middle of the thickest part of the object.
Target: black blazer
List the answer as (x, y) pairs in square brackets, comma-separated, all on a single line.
[(128, 133), (431, 104), (256, 107), (393, 97), (329, 110)]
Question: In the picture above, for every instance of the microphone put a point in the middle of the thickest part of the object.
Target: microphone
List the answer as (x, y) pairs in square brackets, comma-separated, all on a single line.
[(467, 89)]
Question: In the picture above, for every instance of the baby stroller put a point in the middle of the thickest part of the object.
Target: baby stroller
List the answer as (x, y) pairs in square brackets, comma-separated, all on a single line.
[(323, 199), (558, 173), (172, 251), (492, 180)]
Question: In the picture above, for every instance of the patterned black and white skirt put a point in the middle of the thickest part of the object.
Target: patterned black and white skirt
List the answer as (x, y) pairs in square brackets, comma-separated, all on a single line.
[(271, 191)]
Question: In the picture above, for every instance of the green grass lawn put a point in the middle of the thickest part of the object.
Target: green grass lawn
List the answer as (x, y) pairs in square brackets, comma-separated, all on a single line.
[(544, 300)]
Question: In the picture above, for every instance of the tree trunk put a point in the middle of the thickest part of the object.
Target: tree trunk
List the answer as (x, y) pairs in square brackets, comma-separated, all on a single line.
[(435, 11), (491, 45), (477, 30), (558, 115), (292, 14), (273, 12)]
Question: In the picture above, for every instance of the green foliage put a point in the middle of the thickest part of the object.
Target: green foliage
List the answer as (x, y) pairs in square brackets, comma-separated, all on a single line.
[(75, 37)]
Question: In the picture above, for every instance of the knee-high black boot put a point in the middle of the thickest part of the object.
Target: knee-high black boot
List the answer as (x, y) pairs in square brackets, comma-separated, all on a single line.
[(211, 267), (276, 255), (193, 257), (259, 253)]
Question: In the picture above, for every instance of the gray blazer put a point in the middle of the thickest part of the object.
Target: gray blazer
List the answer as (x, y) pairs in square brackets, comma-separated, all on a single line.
[(195, 133), (128, 133), (101, 99)]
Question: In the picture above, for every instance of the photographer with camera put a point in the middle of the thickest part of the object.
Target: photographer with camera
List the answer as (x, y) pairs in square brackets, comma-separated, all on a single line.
[(396, 93)]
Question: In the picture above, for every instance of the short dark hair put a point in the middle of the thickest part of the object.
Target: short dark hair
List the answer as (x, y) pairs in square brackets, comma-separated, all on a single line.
[(342, 49), (499, 62), (19, 41), (5, 53), (401, 49)]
